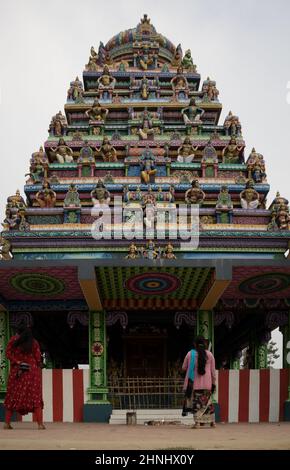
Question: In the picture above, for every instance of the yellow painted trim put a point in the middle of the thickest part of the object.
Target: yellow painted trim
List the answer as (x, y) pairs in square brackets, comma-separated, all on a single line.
[(214, 294), (91, 293)]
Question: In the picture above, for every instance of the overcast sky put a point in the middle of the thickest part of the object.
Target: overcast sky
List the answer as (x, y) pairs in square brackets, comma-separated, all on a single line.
[(243, 45)]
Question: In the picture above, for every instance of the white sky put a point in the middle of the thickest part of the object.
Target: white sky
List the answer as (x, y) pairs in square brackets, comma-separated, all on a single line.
[(243, 45)]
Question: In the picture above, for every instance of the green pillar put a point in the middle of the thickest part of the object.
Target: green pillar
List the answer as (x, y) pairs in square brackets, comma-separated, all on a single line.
[(235, 362), (205, 326), (261, 355), (4, 365), (98, 357), (98, 407)]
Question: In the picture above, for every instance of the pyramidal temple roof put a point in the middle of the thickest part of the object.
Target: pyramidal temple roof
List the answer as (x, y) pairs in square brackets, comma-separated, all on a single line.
[(142, 127)]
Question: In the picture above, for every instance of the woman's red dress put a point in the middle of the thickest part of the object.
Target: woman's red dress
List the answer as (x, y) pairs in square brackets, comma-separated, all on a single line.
[(24, 391)]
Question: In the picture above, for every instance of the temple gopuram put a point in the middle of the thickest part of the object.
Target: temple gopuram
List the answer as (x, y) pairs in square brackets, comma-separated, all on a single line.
[(140, 149)]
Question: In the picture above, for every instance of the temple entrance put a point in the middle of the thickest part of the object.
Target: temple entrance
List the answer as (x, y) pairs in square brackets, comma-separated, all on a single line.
[(64, 345), (145, 356)]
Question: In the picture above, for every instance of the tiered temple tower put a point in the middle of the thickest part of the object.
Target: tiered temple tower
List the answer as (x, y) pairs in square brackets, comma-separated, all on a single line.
[(142, 133)]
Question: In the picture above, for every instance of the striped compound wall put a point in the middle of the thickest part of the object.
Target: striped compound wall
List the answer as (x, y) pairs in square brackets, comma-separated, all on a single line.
[(243, 396)]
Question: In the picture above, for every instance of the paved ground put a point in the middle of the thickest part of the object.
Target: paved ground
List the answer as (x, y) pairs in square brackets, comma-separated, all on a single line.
[(102, 436)]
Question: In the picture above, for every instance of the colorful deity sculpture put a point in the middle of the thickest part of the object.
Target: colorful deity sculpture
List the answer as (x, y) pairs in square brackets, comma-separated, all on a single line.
[(224, 206), (146, 128), (279, 214), (249, 197), (86, 154), (106, 84), (177, 58), (209, 161), (150, 251), (107, 151), (168, 252), (15, 201), (231, 152), (186, 152), (76, 91), (144, 86), (16, 221), (179, 85), (240, 179), (63, 152), (58, 125), (5, 247), (46, 197), (192, 114), (256, 167), (72, 198), (10, 221), (23, 225), (97, 112), (232, 125), (133, 252), (100, 195), (187, 62), (195, 195), (147, 164), (92, 65), (146, 59), (38, 167), (283, 217), (210, 90)]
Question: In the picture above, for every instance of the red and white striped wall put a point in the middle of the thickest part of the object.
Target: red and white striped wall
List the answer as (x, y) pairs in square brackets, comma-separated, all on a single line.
[(252, 395), (243, 395)]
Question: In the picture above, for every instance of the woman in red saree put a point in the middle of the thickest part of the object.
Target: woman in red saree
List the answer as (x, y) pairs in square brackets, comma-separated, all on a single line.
[(24, 394)]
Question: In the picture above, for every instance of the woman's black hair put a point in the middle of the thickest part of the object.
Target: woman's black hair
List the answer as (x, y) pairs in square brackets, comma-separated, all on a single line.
[(25, 339), (200, 346)]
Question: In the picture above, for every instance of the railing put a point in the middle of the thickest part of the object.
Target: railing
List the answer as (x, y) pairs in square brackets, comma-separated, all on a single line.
[(145, 393)]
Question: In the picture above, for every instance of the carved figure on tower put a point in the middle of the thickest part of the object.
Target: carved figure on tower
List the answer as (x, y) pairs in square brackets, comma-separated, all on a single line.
[(38, 167), (256, 167), (147, 164), (232, 151), (15, 201), (249, 197), (107, 151), (63, 152), (177, 58), (192, 114), (232, 125), (75, 91), (58, 124), (86, 154), (146, 128), (72, 198), (186, 152), (179, 85), (187, 62), (194, 195), (144, 88), (210, 90), (97, 112), (46, 197), (100, 195), (106, 84), (224, 205)]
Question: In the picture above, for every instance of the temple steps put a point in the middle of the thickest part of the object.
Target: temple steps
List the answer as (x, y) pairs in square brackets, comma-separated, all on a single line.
[(157, 415)]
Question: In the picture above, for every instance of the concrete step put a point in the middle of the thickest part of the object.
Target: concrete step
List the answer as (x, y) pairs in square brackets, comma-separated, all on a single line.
[(119, 416)]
